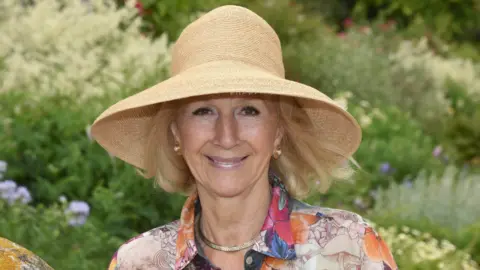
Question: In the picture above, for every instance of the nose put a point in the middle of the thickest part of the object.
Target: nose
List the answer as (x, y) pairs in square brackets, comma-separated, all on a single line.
[(226, 132)]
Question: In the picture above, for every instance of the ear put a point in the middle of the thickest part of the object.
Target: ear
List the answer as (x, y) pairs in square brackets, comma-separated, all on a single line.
[(278, 136), (174, 130)]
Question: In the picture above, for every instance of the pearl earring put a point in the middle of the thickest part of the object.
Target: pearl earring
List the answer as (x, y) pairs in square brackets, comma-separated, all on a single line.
[(277, 153), (176, 148)]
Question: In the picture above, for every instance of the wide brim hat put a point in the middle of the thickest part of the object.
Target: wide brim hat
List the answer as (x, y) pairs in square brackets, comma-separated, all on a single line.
[(227, 50)]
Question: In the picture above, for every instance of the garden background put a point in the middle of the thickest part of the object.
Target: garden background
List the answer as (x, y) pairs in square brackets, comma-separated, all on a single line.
[(407, 70)]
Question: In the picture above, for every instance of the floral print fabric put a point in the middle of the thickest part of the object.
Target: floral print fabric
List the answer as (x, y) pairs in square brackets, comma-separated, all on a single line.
[(294, 236)]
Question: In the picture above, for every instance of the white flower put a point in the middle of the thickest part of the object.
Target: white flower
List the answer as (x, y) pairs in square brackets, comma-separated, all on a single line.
[(75, 50), (365, 120), (342, 102), (62, 199), (88, 131), (3, 166)]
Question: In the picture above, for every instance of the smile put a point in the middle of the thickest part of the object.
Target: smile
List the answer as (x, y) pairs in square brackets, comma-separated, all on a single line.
[(226, 163)]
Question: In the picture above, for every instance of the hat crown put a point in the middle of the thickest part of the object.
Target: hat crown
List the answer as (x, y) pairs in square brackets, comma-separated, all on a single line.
[(231, 33)]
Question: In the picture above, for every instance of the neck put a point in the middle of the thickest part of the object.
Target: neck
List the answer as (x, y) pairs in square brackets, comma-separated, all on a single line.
[(234, 221)]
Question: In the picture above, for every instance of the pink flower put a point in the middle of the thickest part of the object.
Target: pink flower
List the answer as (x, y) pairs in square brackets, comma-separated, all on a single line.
[(347, 23), (341, 35), (139, 6), (437, 151)]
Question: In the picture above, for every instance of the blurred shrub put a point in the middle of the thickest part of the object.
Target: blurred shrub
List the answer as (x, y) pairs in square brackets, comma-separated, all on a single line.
[(458, 91), (394, 145), (359, 62), (394, 149), (417, 54), (414, 250), (463, 128), (171, 17), (48, 149), (288, 20), (450, 19), (79, 49), (445, 206), (54, 234)]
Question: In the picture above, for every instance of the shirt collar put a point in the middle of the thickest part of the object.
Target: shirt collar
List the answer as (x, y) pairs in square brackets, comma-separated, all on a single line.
[(275, 239)]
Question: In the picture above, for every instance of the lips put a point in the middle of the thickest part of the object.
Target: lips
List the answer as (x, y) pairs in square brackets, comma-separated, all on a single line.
[(226, 163)]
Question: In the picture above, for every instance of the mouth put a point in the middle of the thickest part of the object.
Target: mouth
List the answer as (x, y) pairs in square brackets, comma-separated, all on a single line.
[(226, 163)]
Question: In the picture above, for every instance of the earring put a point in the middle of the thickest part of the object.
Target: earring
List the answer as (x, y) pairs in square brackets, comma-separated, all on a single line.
[(176, 148), (277, 153)]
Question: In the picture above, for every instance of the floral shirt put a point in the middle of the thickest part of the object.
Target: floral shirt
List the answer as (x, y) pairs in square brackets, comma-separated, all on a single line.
[(294, 236)]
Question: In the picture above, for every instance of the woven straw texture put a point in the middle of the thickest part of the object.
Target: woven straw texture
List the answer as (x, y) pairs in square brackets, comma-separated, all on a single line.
[(228, 50)]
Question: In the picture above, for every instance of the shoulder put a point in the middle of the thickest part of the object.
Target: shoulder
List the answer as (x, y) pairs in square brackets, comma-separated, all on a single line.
[(338, 217), (327, 234), (154, 249)]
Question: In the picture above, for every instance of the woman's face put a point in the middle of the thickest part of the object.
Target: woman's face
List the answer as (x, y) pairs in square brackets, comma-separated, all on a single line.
[(227, 140)]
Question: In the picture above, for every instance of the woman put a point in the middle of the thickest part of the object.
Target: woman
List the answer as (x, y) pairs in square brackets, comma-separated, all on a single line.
[(243, 142)]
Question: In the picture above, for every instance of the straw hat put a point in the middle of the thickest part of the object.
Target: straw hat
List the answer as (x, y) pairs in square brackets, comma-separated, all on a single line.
[(229, 49)]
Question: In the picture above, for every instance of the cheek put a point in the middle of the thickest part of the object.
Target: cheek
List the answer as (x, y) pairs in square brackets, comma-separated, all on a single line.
[(260, 135), (195, 134)]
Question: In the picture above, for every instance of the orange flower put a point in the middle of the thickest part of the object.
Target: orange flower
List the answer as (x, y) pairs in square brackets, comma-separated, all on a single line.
[(377, 250), (300, 224)]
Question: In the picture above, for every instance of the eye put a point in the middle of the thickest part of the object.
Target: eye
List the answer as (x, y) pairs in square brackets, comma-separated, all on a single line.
[(250, 110), (202, 111)]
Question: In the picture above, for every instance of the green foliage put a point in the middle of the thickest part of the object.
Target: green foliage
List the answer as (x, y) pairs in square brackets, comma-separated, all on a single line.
[(445, 206), (171, 16), (414, 250), (335, 65), (45, 139), (449, 18), (45, 231), (394, 148), (453, 21), (463, 129), (47, 147)]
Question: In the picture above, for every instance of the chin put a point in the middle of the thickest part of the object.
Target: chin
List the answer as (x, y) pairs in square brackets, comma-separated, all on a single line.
[(227, 189)]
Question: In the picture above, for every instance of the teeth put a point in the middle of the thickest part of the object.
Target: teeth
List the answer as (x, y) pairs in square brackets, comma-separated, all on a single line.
[(226, 164)]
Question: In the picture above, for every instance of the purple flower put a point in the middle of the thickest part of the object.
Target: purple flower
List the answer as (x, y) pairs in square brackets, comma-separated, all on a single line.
[(11, 193), (7, 187), (437, 151), (79, 207), (77, 220), (358, 202), (79, 212), (386, 168), (408, 184), (21, 194)]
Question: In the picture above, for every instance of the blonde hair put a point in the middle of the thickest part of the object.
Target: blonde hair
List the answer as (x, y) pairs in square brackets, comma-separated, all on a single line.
[(307, 163)]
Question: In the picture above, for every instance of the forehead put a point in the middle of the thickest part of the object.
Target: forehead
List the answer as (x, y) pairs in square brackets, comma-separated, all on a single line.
[(229, 97)]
